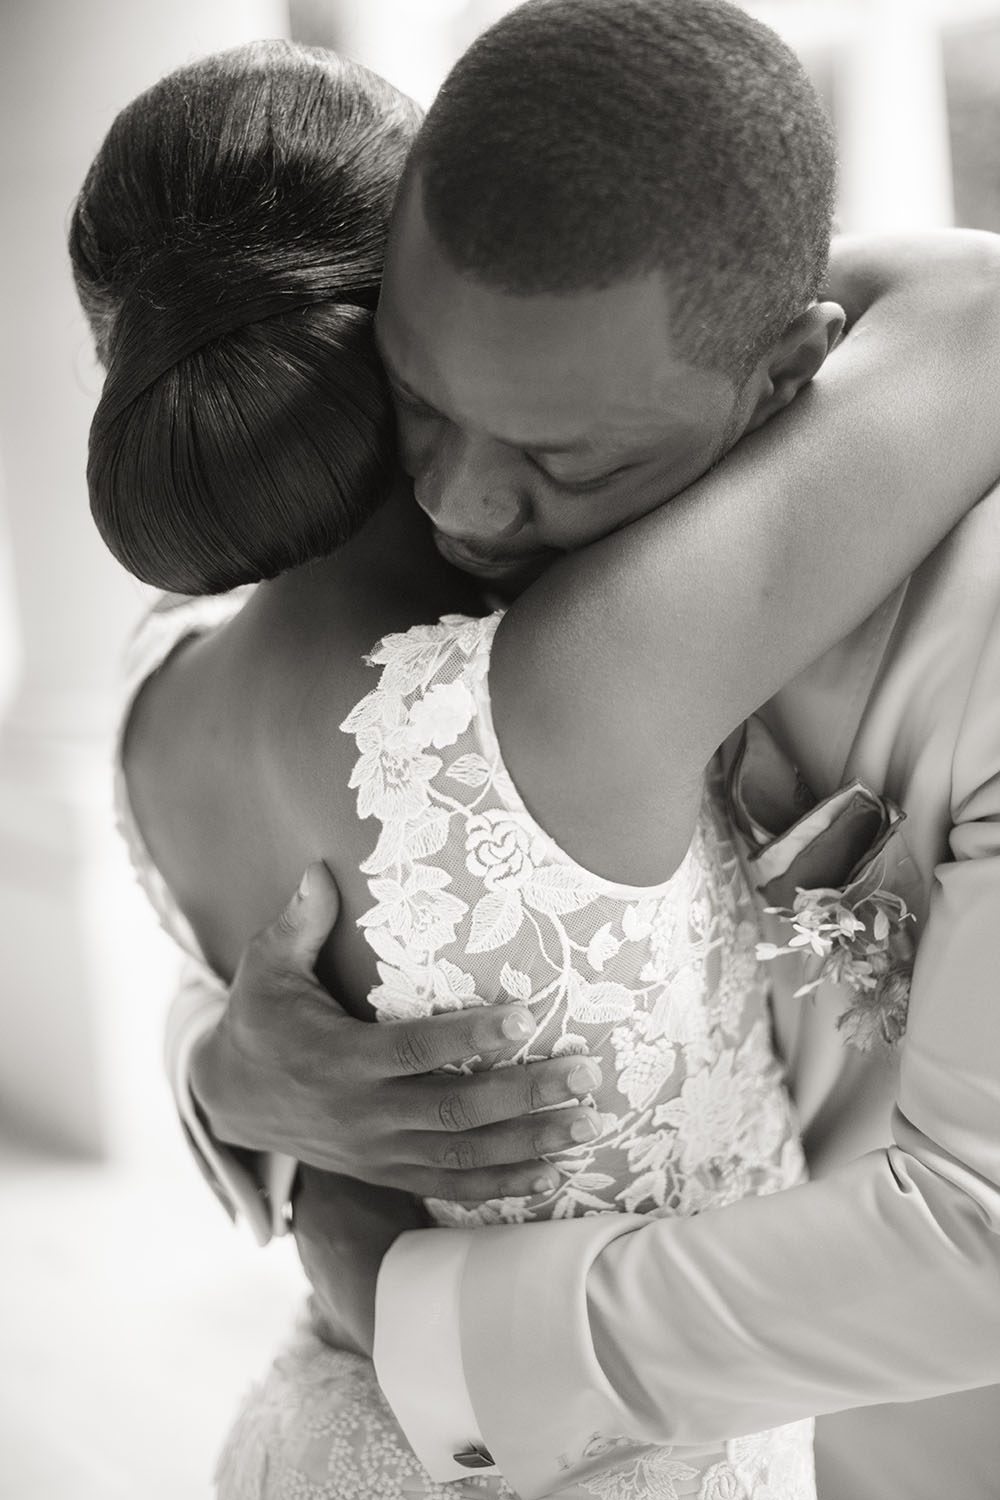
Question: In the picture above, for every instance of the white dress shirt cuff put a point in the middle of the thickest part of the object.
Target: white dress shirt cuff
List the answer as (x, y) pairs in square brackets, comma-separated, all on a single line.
[(418, 1352), (547, 1412)]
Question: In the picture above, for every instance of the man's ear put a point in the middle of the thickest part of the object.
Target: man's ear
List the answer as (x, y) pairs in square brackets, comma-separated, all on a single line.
[(793, 361)]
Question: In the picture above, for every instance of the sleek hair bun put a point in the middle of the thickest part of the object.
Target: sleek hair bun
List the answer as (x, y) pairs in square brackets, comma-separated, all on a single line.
[(227, 246)]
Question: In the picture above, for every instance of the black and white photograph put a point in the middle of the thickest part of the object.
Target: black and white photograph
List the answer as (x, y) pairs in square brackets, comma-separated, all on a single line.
[(500, 750)]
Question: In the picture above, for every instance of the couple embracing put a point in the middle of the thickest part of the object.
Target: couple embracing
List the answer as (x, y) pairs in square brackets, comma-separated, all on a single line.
[(683, 1207)]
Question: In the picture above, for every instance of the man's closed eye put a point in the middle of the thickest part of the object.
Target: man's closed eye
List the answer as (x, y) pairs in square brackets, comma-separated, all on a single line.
[(587, 485)]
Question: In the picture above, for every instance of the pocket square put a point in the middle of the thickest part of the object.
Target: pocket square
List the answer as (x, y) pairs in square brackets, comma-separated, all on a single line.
[(820, 867)]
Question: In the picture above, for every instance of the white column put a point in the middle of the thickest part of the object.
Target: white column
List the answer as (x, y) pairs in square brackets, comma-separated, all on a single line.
[(411, 44), (78, 1014), (893, 119)]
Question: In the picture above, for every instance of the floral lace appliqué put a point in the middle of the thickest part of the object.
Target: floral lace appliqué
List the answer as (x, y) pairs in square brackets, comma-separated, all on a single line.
[(473, 903)]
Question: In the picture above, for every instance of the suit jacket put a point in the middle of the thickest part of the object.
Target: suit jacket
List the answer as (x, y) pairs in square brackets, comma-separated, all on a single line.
[(878, 1281)]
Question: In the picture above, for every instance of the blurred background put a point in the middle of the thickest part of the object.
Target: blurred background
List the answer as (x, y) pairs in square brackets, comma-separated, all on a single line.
[(132, 1314)]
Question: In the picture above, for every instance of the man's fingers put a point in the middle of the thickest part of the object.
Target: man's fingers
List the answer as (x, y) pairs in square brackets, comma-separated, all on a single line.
[(528, 1139), (436, 1041), (519, 1181), (294, 938), (459, 1102), (455, 1122)]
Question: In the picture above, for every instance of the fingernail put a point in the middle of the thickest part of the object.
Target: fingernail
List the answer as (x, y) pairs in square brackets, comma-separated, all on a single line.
[(518, 1026), (584, 1077), (585, 1128), (303, 889), (544, 1182)]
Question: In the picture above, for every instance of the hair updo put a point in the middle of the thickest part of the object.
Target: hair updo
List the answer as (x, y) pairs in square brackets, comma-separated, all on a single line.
[(227, 247)]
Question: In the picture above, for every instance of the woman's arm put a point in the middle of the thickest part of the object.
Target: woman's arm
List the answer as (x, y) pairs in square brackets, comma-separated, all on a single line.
[(640, 653), (938, 271)]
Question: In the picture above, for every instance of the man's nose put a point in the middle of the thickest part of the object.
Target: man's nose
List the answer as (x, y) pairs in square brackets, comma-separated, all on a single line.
[(474, 488)]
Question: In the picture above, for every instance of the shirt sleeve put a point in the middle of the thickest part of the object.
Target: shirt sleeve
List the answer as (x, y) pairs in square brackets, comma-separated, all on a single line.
[(880, 1282), (417, 1351)]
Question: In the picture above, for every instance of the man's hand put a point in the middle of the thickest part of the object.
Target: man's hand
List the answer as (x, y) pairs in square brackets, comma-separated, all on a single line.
[(342, 1230), (288, 1070)]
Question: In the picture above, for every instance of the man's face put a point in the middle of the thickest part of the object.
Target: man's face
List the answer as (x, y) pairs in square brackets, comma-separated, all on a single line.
[(533, 425)]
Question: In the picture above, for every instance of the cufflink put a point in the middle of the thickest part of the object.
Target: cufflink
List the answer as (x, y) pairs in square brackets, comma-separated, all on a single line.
[(475, 1456)]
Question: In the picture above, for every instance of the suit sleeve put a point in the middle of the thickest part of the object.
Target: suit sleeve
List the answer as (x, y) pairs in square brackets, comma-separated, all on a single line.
[(880, 1282), (255, 1187)]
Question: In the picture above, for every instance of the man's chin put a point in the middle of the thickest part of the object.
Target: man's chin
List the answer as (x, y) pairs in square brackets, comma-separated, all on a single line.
[(506, 574)]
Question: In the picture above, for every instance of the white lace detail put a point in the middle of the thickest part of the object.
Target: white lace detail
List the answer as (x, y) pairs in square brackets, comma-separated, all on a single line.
[(319, 1428), (764, 1466), (474, 903)]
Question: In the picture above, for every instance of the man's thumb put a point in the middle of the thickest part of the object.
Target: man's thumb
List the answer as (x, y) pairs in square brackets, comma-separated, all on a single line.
[(304, 925)]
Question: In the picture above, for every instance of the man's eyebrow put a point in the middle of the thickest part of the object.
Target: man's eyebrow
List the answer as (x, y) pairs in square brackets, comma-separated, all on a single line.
[(542, 449)]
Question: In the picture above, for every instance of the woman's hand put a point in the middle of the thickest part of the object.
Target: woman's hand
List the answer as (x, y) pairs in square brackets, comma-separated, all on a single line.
[(288, 1070)]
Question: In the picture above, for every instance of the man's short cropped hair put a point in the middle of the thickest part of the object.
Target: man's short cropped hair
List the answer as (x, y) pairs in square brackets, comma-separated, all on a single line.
[(579, 143)]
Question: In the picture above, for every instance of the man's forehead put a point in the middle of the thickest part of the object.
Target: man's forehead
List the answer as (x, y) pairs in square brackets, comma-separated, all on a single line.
[(548, 371)]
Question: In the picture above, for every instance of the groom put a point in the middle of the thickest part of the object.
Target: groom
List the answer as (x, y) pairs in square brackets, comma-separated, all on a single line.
[(879, 1281)]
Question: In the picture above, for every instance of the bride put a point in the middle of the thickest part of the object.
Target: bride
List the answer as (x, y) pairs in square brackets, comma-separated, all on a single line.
[(362, 709)]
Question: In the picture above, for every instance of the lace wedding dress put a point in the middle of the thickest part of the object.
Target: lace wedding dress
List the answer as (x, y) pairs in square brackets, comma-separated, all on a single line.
[(474, 903)]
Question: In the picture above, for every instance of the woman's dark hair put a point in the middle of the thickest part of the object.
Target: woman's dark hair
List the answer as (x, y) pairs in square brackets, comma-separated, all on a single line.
[(227, 247)]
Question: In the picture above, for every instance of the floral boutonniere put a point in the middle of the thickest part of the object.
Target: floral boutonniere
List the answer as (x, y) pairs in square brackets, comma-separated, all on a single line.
[(821, 868), (856, 938)]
